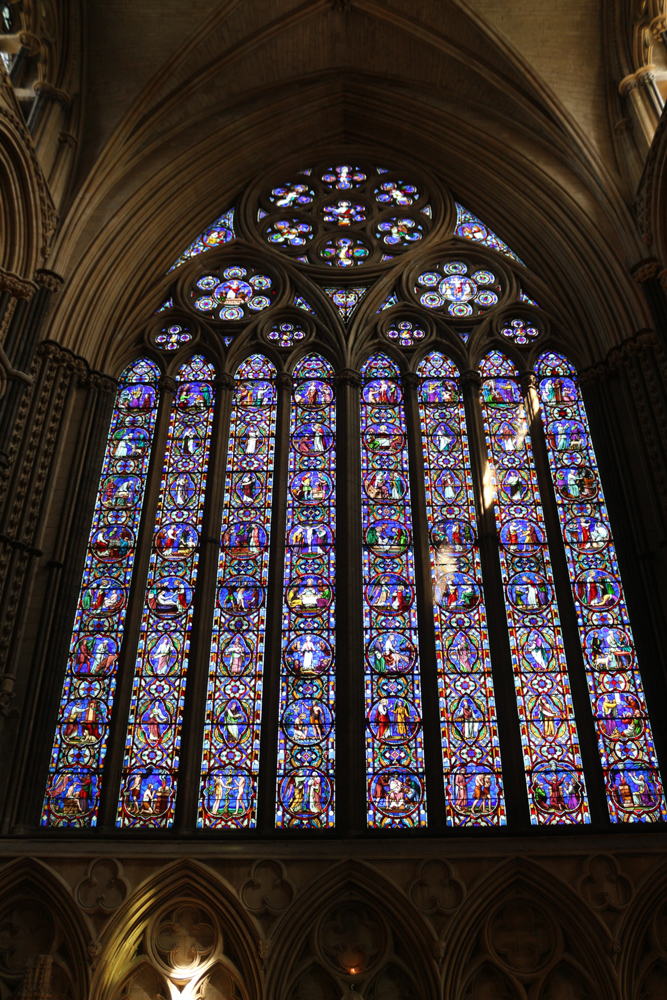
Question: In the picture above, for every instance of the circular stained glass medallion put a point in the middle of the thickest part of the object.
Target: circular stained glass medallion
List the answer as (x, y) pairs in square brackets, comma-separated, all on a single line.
[(344, 251)]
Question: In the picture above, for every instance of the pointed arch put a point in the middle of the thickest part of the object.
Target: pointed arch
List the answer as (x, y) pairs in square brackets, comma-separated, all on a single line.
[(562, 930), (30, 886), (297, 939), (182, 883)]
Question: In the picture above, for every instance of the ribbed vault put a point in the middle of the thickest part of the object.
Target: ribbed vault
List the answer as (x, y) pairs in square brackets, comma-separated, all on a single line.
[(285, 83)]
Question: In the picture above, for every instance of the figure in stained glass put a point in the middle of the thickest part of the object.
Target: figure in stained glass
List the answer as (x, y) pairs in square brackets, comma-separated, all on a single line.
[(78, 755), (554, 774), (305, 795), (625, 742), (230, 755), (394, 742), (152, 749)]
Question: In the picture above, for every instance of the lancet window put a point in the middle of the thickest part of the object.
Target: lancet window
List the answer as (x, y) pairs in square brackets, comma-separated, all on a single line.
[(349, 499)]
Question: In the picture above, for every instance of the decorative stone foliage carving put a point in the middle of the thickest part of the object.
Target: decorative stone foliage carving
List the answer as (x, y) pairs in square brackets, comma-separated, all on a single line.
[(104, 887), (267, 888)]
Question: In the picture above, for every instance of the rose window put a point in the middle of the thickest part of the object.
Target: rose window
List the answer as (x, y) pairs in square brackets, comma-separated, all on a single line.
[(463, 294), (405, 333), (344, 252), (521, 331), (235, 294), (344, 213), (170, 338), (399, 232), (396, 193), (289, 233), (343, 177), (286, 334)]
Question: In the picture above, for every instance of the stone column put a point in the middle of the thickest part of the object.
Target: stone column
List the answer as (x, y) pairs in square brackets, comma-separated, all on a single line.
[(351, 790)]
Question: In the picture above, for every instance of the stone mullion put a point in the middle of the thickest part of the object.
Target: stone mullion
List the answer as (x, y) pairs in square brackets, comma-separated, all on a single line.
[(113, 762), (189, 774), (576, 668), (640, 544), (351, 790), (268, 737), (514, 785), (426, 625), (61, 588)]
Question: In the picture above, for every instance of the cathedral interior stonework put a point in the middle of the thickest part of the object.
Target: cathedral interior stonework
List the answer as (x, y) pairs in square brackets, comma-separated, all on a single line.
[(333, 478)]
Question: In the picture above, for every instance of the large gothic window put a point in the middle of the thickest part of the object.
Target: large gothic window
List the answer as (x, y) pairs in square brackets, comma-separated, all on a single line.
[(350, 554)]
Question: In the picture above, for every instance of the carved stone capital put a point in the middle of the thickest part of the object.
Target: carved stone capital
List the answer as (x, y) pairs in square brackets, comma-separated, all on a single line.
[(627, 84), (50, 349), (51, 93), (102, 383), (645, 75), (470, 378), (67, 139), (645, 270), (348, 376), (225, 381), (284, 381), (30, 42), (410, 380), (166, 383), (623, 126), (49, 279), (657, 26), (20, 288)]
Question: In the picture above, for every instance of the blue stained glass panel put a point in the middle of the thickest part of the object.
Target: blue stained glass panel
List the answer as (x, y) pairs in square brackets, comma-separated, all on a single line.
[(469, 725), (552, 760), (396, 792), (634, 786), (230, 759), (152, 744), (306, 742), (80, 745)]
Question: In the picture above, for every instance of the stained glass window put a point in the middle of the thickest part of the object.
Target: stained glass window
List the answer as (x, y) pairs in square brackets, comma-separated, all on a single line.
[(153, 740), (318, 232), (627, 751), (470, 228), (471, 755), (396, 794), (306, 745), (217, 234), (552, 760), (230, 761), (80, 746)]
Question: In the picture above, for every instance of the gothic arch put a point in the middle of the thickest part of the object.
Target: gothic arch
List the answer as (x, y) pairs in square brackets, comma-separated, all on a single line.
[(31, 892), (296, 946), (643, 933), (524, 921), (182, 885)]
